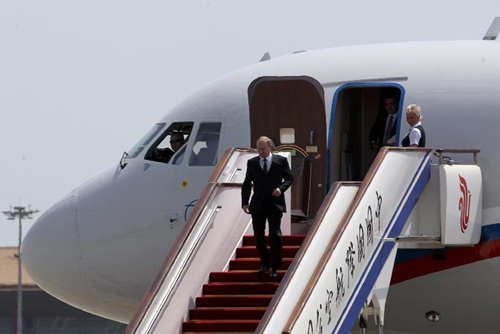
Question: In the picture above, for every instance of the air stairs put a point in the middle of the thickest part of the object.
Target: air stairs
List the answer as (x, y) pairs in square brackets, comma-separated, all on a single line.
[(342, 271), (236, 300)]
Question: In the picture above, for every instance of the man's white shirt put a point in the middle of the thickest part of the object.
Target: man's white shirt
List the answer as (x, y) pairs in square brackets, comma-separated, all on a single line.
[(269, 160)]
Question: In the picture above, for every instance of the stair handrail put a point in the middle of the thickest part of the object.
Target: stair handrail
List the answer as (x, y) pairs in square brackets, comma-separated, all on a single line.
[(292, 318), (318, 220), (442, 158), (181, 240), (340, 230)]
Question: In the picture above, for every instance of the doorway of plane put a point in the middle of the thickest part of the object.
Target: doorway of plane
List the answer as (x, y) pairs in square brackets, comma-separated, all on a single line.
[(355, 110), (291, 111)]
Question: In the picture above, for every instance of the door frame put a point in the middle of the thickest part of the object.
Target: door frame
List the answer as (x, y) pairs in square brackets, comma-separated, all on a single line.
[(318, 89), (314, 82), (334, 108)]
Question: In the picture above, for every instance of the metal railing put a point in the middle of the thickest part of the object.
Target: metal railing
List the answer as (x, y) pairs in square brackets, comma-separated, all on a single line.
[(148, 310)]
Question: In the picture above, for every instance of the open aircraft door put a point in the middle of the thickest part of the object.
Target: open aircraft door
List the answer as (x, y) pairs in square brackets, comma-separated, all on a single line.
[(291, 111)]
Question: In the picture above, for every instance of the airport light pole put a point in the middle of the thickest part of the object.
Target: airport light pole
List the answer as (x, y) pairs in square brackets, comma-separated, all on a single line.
[(19, 212)]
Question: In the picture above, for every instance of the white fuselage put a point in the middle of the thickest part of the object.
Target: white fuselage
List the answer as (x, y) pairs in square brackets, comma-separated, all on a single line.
[(100, 247)]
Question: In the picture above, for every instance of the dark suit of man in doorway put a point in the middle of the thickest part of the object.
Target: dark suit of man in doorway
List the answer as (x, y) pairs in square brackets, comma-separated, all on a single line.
[(271, 177), (383, 131)]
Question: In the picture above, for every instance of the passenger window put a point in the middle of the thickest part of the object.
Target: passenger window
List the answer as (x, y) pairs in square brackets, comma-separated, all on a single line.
[(171, 143), (206, 145)]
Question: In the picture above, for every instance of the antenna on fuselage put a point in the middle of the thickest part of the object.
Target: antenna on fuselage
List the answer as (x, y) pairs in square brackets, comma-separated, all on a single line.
[(494, 29), (265, 57)]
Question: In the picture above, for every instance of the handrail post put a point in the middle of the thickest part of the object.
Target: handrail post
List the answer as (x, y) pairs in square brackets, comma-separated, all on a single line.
[(440, 153)]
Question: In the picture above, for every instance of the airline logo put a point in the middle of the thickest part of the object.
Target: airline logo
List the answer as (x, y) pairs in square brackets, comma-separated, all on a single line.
[(464, 204)]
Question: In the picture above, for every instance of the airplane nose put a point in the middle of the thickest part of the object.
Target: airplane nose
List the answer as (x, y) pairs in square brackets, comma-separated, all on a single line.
[(51, 255)]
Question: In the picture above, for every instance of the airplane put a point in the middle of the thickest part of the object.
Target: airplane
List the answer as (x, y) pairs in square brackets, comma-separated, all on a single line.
[(100, 246)]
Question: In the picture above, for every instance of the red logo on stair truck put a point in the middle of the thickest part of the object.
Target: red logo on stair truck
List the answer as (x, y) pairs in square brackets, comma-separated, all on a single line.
[(464, 204)]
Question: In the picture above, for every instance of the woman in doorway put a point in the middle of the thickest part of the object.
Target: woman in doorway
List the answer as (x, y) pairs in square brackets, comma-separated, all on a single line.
[(416, 134)]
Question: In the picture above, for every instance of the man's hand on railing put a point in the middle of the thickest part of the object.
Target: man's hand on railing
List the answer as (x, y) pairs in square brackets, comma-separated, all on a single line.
[(246, 209)]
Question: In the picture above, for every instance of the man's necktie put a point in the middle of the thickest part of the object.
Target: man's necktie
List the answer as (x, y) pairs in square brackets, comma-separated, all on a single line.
[(265, 166), (388, 130)]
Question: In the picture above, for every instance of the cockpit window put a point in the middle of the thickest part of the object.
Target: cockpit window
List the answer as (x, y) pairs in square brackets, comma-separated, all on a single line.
[(179, 157), (206, 145), (172, 143), (141, 144)]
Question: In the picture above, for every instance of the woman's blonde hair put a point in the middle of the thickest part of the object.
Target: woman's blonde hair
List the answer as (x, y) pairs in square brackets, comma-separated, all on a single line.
[(414, 109)]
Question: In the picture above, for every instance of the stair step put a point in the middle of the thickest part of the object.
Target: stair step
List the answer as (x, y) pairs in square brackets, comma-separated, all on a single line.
[(288, 240), (252, 252), (253, 264), (240, 289), (233, 301), (219, 326), (226, 314), (244, 276)]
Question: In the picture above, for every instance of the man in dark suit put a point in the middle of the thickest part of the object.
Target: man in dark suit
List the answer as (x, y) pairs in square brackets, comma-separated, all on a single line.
[(271, 177), (383, 131)]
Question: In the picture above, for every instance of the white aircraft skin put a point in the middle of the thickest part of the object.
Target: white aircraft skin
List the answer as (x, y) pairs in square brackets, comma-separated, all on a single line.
[(100, 247)]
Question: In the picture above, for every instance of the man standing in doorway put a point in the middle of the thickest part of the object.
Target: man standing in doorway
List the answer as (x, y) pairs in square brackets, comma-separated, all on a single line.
[(271, 177), (383, 131)]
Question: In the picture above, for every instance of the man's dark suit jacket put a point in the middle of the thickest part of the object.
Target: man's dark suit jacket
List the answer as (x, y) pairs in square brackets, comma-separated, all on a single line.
[(378, 129), (279, 176)]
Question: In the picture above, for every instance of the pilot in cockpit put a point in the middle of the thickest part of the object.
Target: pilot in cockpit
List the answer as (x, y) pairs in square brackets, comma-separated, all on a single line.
[(176, 142), (170, 146)]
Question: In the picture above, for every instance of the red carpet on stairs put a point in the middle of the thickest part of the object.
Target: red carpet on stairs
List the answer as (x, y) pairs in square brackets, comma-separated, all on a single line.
[(236, 300)]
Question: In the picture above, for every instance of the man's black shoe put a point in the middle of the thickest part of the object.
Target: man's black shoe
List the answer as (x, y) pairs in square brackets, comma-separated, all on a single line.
[(272, 272), (263, 269)]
